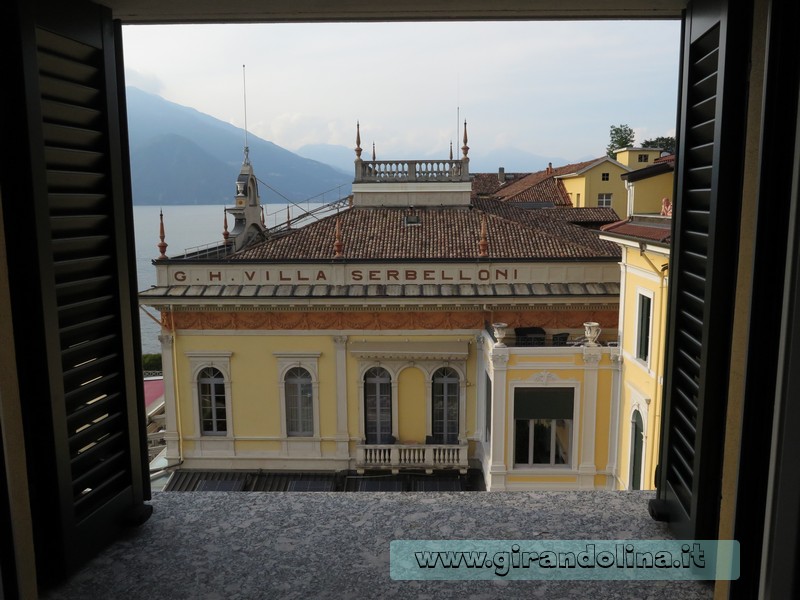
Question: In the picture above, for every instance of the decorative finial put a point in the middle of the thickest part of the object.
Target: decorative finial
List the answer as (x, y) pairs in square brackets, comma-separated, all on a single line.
[(373, 151), (483, 244), (465, 148), (263, 224), (225, 233), (337, 243), (451, 149), (162, 245), (358, 140)]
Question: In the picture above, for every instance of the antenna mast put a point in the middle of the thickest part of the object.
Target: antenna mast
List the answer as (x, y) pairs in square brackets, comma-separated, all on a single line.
[(244, 94)]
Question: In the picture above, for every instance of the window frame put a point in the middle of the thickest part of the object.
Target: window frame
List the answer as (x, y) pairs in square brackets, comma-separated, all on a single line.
[(309, 361), (605, 199), (641, 294), (455, 399), (214, 378), (545, 381), (392, 381), (198, 362), (295, 393)]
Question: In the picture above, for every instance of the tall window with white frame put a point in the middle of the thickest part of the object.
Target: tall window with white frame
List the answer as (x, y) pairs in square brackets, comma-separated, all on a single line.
[(211, 392), (543, 421), (299, 403), (378, 406), (604, 200), (445, 406), (643, 328)]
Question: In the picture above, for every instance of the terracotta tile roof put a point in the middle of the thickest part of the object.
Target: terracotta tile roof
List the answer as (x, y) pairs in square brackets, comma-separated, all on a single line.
[(646, 230), (542, 186), (669, 158), (586, 214), (380, 233), (550, 221)]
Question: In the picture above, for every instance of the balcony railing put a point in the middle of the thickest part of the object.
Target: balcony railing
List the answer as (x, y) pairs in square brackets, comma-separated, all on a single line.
[(411, 171), (411, 456)]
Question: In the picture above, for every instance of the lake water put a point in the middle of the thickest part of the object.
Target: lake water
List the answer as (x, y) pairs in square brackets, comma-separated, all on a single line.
[(184, 227)]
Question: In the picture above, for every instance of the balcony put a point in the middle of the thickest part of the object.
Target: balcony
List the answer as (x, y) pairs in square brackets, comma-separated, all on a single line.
[(411, 171), (336, 545), (411, 456)]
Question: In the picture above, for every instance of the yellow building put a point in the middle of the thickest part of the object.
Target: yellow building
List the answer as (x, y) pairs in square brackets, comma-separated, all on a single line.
[(419, 329), (645, 242)]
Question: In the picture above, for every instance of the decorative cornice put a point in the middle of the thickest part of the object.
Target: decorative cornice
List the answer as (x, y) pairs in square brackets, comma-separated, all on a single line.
[(244, 318), (544, 378), (592, 354), (499, 361)]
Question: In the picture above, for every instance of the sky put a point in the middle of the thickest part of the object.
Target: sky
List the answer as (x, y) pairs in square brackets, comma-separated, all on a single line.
[(547, 88)]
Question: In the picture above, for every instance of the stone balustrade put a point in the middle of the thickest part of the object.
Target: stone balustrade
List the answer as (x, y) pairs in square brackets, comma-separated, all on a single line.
[(411, 171), (411, 456)]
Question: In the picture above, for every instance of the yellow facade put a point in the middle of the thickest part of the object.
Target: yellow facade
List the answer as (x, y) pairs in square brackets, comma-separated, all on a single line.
[(646, 194), (597, 184), (254, 364), (642, 379), (637, 158)]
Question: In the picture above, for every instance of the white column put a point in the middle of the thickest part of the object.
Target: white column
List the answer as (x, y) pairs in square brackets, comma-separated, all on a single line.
[(498, 469), (342, 431), (480, 392), (395, 409), (587, 468), (171, 434), (613, 433)]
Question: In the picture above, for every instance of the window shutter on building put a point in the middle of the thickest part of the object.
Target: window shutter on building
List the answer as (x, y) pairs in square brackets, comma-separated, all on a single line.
[(67, 211), (702, 292)]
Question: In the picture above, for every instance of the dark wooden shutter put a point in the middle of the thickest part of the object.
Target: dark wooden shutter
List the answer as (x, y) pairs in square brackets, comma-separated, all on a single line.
[(703, 266), (66, 203)]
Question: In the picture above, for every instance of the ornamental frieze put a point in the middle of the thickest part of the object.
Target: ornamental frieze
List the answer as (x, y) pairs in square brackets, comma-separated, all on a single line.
[(369, 320)]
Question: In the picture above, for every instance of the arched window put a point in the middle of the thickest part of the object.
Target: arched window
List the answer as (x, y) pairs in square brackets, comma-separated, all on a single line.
[(637, 448), (299, 403), (378, 406), (211, 392), (445, 406)]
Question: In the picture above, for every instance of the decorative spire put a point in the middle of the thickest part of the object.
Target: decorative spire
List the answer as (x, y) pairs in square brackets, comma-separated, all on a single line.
[(451, 149), (483, 244), (162, 245), (358, 140), (337, 244), (373, 151), (225, 233), (465, 148)]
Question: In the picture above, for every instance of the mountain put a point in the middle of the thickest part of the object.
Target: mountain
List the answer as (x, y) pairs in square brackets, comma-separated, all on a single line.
[(340, 158), (513, 160), (182, 156)]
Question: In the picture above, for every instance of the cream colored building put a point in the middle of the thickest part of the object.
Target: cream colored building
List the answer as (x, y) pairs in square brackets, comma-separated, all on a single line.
[(418, 330)]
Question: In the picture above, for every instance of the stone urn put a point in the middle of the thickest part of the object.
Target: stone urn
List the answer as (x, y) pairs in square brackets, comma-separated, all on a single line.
[(592, 332), (500, 333)]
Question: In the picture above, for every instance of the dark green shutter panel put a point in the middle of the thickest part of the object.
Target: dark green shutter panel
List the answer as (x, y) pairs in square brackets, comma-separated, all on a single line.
[(543, 403), (80, 384), (703, 284)]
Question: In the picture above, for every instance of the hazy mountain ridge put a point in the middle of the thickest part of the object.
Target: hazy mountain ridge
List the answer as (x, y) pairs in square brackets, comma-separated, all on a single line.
[(513, 160), (182, 156)]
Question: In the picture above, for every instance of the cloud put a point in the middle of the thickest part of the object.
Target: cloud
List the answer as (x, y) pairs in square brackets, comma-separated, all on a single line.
[(550, 88)]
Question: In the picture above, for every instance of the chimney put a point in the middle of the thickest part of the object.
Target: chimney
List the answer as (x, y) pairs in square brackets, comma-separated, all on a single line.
[(501, 174), (549, 168)]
